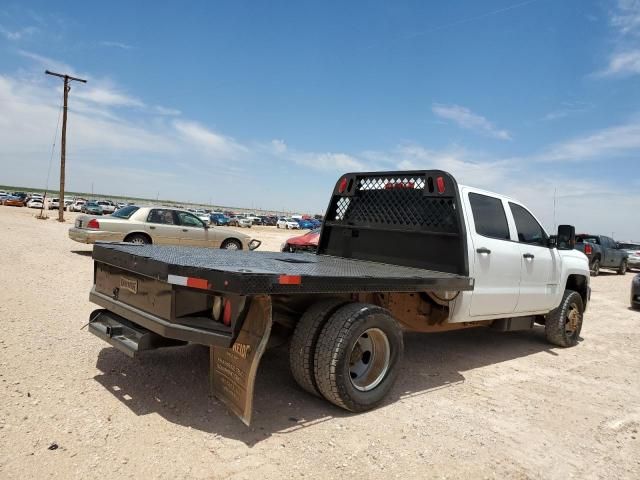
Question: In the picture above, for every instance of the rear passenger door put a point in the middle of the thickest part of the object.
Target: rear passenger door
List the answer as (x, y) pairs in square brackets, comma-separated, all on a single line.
[(538, 277), (496, 259)]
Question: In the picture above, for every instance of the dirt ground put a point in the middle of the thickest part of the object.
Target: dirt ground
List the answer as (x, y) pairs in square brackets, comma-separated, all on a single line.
[(469, 404)]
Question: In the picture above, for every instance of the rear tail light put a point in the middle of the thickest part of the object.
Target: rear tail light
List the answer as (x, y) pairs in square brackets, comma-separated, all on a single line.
[(587, 249), (226, 314), (94, 224), (440, 184), (343, 185)]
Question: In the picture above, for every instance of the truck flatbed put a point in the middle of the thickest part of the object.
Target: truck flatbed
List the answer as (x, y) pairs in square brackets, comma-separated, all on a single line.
[(259, 273)]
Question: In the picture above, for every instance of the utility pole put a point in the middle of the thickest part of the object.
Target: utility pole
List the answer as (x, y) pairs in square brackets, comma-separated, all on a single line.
[(63, 144)]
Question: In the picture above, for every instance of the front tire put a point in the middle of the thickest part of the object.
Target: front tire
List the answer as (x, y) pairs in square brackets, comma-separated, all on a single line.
[(623, 268), (357, 355), (563, 324), (231, 244)]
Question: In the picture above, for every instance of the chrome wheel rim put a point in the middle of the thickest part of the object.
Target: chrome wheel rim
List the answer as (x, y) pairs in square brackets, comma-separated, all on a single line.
[(231, 246), (572, 321), (369, 359), (138, 241)]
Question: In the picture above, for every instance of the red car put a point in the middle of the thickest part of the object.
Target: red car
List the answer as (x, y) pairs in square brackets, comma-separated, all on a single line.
[(303, 243)]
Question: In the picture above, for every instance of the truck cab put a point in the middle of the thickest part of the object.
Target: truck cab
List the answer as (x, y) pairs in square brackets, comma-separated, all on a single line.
[(517, 268)]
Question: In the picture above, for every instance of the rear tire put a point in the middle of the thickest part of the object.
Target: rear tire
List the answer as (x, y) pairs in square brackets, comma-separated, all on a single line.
[(595, 268), (357, 355), (231, 244), (138, 239), (623, 268), (563, 325), (303, 342)]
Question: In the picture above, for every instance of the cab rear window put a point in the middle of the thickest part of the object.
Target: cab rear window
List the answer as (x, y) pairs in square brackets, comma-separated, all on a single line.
[(489, 216)]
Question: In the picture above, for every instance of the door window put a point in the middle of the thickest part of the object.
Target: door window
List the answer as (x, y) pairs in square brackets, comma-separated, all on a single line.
[(489, 216), (188, 220), (162, 216), (529, 230)]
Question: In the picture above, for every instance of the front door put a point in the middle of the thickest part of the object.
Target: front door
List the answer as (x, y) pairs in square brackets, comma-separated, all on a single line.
[(538, 278), (193, 231), (496, 259)]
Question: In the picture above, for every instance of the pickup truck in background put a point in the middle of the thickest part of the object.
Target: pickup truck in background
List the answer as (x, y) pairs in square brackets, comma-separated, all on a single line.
[(602, 252), (398, 251)]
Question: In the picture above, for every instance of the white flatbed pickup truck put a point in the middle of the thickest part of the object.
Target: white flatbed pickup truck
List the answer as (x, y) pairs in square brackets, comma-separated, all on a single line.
[(408, 250)]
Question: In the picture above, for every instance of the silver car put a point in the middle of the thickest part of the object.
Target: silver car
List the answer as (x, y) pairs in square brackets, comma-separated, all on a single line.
[(633, 249), (158, 225)]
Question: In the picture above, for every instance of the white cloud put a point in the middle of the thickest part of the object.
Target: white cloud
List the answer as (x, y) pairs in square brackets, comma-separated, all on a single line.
[(50, 64), (609, 142), (211, 142), (328, 161), (15, 35), (469, 120), (165, 111), (106, 96), (568, 108), (120, 45), (625, 57)]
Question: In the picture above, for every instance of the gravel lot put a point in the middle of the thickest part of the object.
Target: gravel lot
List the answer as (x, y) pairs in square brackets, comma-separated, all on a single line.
[(469, 404)]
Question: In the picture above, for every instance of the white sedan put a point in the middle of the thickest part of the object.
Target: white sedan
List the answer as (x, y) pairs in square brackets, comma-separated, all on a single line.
[(288, 223), (35, 203), (107, 207), (159, 226)]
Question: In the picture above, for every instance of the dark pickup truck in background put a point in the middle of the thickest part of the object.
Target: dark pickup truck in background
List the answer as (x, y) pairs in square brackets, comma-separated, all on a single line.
[(602, 252)]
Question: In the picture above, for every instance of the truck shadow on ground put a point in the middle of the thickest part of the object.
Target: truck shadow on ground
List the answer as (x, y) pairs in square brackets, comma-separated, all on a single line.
[(174, 382)]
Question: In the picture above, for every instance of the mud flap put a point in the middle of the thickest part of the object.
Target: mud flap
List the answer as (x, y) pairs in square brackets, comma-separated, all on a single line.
[(233, 370)]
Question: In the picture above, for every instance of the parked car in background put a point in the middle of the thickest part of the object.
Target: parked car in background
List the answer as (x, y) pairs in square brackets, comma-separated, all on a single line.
[(635, 292), (288, 223), (77, 205), (107, 206), (91, 208), (306, 224), (22, 196), (602, 252), (302, 243), (633, 249), (269, 220), (204, 216), (240, 221), (158, 225), (120, 205), (13, 201), (54, 204), (35, 203), (218, 219)]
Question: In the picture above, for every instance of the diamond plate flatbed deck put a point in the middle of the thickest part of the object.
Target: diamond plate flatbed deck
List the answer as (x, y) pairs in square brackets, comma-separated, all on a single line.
[(257, 273)]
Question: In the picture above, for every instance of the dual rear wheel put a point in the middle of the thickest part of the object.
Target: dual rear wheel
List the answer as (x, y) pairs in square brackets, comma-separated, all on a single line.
[(347, 353)]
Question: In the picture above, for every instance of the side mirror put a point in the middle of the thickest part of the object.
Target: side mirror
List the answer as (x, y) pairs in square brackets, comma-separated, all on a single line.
[(566, 238)]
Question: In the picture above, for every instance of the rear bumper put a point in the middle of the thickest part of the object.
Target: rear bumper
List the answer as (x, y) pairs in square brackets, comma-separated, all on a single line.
[(159, 325), (92, 236)]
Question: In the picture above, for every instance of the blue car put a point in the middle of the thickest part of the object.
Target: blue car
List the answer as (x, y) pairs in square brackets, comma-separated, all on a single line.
[(306, 224), (219, 219)]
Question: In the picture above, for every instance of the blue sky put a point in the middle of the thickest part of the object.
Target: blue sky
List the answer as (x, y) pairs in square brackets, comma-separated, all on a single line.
[(264, 104)]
